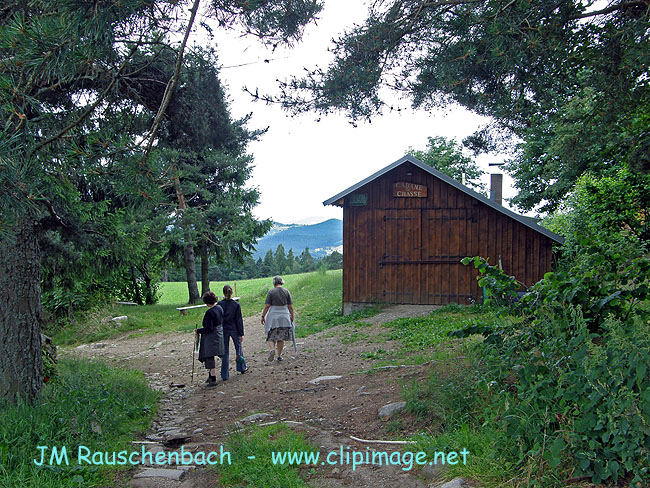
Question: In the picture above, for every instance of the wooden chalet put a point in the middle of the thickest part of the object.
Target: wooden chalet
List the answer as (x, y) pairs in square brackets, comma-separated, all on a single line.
[(406, 228)]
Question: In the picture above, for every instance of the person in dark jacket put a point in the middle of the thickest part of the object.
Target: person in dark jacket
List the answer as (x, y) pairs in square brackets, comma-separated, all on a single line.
[(233, 328), (211, 336)]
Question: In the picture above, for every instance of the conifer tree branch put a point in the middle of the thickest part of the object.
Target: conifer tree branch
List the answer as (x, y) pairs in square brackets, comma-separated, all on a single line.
[(171, 85), (613, 8), (86, 112)]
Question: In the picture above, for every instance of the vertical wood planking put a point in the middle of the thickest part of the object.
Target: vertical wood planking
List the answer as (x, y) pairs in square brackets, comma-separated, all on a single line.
[(438, 225)]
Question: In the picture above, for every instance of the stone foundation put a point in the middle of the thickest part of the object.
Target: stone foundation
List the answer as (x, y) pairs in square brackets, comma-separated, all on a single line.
[(349, 307)]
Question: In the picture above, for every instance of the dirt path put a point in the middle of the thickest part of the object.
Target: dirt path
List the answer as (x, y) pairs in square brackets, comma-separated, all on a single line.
[(328, 411)]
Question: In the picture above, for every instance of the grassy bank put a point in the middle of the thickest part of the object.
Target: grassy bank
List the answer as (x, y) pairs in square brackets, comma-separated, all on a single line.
[(89, 405), (260, 443), (448, 407)]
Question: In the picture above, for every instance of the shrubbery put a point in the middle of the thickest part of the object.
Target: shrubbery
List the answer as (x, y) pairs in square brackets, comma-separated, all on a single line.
[(575, 371), (86, 404), (582, 399)]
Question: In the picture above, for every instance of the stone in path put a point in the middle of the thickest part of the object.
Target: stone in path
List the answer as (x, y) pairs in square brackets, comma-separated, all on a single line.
[(315, 381), (455, 483), (391, 408), (256, 416), (170, 474), (432, 471)]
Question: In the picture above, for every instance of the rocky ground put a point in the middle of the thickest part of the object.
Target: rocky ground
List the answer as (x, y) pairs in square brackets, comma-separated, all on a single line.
[(320, 390)]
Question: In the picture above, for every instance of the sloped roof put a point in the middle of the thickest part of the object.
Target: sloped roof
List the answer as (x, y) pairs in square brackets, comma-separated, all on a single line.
[(527, 221)]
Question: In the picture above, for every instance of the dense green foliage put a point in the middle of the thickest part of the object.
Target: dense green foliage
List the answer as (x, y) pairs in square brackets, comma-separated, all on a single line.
[(606, 284), (500, 289), (609, 212), (576, 367), (564, 81), (87, 404), (447, 156), (577, 402)]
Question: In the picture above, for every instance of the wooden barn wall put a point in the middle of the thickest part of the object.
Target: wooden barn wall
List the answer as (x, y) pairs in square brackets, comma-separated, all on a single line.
[(407, 250)]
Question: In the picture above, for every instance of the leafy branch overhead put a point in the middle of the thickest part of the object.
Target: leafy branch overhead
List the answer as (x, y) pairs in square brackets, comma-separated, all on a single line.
[(565, 84), (500, 288)]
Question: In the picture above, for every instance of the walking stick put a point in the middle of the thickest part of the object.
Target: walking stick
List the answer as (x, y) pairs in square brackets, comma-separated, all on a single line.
[(194, 344)]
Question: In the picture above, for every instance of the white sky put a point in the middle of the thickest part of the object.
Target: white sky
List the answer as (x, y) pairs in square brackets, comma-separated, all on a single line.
[(301, 162)]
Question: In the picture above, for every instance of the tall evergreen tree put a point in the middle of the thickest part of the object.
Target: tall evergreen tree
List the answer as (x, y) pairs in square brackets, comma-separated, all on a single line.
[(279, 260), (269, 263), (209, 169), (291, 260), (259, 269), (306, 260), (68, 72)]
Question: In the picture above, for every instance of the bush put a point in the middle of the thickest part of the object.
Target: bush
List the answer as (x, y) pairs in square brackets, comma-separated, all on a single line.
[(576, 368), (500, 288), (582, 400), (605, 284)]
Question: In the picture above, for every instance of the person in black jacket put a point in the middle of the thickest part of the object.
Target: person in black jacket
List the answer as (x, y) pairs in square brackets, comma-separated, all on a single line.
[(233, 328), (211, 336)]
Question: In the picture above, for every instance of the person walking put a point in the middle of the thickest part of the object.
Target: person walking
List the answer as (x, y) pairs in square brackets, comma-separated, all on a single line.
[(277, 318), (233, 328), (211, 336)]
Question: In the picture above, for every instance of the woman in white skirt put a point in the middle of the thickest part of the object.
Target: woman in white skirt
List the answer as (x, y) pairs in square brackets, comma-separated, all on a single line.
[(277, 317)]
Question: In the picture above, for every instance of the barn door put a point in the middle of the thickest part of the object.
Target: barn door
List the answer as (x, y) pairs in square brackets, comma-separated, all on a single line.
[(400, 238), (448, 236)]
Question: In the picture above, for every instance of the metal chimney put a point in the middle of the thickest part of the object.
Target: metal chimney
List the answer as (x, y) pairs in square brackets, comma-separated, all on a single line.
[(496, 188)]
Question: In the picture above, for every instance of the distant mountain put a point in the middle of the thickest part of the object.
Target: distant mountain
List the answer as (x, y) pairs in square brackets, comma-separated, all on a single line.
[(321, 239)]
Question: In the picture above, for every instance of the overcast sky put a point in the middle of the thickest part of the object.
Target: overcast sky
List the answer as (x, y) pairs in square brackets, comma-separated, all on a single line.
[(301, 162)]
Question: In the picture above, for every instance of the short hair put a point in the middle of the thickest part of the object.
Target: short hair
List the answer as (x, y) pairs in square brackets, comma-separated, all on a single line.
[(209, 298), (227, 290), (277, 280)]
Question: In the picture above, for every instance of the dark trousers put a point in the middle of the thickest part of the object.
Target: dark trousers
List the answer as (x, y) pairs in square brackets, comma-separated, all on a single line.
[(227, 335)]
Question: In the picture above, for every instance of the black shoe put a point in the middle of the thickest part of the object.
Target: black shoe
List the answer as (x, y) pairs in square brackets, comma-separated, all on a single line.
[(211, 381), (245, 371), (280, 358)]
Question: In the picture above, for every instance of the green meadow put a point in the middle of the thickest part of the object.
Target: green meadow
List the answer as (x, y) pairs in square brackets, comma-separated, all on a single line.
[(316, 295)]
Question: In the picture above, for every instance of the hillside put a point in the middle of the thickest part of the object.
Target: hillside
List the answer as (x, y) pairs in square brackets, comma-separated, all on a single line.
[(321, 238)]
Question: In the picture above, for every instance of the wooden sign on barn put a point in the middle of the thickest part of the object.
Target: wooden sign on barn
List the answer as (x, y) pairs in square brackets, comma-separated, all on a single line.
[(406, 228)]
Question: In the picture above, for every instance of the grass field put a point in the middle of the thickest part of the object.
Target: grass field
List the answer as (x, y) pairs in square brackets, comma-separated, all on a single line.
[(316, 296), (251, 292)]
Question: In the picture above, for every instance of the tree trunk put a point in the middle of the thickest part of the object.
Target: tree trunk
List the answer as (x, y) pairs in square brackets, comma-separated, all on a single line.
[(21, 363), (136, 289), (190, 273), (188, 250), (205, 279), (149, 297)]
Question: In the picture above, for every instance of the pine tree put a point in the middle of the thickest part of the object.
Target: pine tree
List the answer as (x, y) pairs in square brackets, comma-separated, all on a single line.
[(306, 260), (291, 261), (77, 100), (279, 261), (269, 264)]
